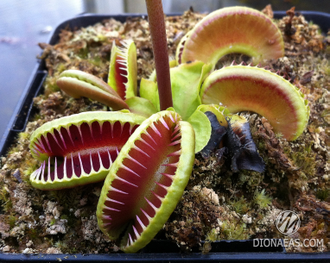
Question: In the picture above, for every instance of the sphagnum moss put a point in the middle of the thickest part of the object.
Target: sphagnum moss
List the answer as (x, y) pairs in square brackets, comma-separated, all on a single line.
[(65, 220)]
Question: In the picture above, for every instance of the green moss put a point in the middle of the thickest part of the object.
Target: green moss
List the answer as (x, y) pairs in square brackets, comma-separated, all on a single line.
[(11, 221), (83, 53), (61, 67), (27, 172), (4, 194), (67, 199), (212, 235), (32, 233), (325, 113), (66, 217), (261, 199), (254, 179), (96, 61), (36, 117), (51, 86), (24, 136), (323, 194), (61, 245), (8, 206), (303, 157), (53, 221), (241, 206), (5, 200), (11, 151), (234, 230), (30, 165), (278, 135)]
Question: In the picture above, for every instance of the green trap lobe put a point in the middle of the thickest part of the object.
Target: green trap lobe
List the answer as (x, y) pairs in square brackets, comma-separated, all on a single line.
[(81, 149), (140, 179)]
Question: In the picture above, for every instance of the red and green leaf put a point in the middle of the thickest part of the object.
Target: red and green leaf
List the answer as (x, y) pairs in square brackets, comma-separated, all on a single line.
[(232, 30), (77, 83), (147, 180), (123, 70), (245, 88), (79, 149)]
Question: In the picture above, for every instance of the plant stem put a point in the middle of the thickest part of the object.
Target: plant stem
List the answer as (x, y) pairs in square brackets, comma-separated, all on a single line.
[(159, 43)]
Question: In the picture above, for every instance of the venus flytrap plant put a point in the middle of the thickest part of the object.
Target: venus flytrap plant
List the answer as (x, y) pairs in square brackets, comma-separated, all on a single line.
[(123, 69), (230, 30), (246, 88), (146, 151), (77, 84), (147, 180), (80, 148)]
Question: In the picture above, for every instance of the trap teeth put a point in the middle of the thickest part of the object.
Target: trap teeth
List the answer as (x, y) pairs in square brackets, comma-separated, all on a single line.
[(232, 30), (123, 69), (79, 149), (147, 180), (244, 88)]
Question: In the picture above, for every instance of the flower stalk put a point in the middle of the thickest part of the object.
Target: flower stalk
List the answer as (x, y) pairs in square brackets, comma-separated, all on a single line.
[(159, 43)]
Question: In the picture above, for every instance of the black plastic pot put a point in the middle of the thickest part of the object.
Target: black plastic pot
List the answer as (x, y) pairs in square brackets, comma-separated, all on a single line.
[(156, 250)]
